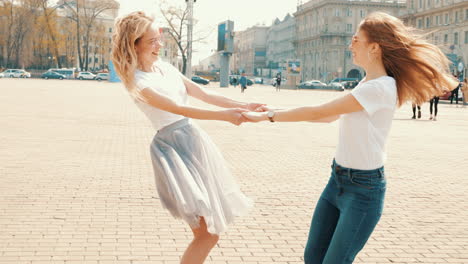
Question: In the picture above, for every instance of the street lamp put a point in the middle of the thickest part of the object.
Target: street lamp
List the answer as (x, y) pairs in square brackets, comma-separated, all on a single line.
[(188, 71)]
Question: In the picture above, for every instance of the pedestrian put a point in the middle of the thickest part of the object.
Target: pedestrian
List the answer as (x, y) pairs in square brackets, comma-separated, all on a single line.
[(433, 103), (464, 89), (400, 66), (413, 106), (192, 178), (234, 81), (243, 82), (454, 94), (278, 82)]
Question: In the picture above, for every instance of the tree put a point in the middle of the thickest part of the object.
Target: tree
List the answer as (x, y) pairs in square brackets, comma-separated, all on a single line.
[(50, 18), (85, 13), (176, 19)]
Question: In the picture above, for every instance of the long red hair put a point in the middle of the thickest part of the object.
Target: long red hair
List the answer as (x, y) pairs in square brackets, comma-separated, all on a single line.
[(419, 67)]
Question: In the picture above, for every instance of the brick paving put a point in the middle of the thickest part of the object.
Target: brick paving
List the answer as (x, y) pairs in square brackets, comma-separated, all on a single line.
[(76, 182)]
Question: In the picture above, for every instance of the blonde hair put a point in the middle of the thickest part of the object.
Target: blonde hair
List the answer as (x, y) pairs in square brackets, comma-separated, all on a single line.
[(420, 68), (127, 31)]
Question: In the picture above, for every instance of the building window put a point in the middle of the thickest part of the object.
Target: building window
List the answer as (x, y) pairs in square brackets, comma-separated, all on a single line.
[(337, 12), (110, 30), (445, 39), (428, 3), (466, 37), (466, 14), (420, 22), (446, 19), (420, 4), (349, 12), (456, 16), (455, 38), (428, 22), (436, 40), (437, 20), (363, 13), (349, 27)]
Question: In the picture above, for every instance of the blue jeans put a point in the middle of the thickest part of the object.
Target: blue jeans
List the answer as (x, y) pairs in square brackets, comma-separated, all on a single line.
[(345, 216)]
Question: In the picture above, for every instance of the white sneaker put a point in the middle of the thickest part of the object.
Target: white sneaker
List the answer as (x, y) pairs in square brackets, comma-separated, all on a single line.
[(435, 118)]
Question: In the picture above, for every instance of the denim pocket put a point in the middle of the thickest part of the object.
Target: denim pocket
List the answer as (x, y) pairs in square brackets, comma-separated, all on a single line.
[(374, 180), (362, 181)]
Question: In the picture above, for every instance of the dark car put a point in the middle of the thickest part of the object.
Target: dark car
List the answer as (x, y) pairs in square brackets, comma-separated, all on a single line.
[(52, 75), (200, 80)]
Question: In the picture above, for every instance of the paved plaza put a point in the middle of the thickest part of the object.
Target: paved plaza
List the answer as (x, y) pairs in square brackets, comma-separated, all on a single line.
[(76, 183)]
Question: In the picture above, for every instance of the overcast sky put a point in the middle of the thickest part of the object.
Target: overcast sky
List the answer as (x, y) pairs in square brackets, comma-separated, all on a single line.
[(209, 13)]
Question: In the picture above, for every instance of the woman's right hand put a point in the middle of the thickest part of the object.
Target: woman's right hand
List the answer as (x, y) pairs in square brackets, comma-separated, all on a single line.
[(233, 116)]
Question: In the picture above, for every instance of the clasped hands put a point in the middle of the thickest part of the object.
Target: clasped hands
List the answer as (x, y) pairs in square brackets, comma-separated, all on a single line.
[(253, 112)]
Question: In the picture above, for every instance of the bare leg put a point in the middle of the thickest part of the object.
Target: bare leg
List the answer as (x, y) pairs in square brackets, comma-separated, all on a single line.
[(201, 245)]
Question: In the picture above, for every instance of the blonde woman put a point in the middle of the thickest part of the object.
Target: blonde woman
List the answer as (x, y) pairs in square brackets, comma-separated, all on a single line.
[(192, 179), (400, 67)]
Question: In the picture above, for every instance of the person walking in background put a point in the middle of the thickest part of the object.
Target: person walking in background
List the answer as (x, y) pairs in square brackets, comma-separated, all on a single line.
[(243, 82), (278, 82), (400, 66), (464, 89), (192, 179), (454, 94), (414, 111), (433, 103), (234, 81)]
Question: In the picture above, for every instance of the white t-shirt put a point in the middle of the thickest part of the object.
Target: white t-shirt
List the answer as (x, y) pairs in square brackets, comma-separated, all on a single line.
[(168, 83), (362, 135)]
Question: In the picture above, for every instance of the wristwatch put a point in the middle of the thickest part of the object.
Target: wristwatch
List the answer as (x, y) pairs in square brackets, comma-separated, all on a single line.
[(270, 115)]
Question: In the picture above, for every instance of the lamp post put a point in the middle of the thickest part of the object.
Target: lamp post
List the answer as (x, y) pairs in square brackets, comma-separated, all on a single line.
[(188, 71)]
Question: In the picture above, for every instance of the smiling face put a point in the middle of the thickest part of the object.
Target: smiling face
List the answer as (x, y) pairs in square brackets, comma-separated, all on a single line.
[(360, 49), (147, 46)]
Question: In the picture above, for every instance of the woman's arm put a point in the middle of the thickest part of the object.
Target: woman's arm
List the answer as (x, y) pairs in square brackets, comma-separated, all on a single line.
[(323, 113), (165, 103), (214, 98)]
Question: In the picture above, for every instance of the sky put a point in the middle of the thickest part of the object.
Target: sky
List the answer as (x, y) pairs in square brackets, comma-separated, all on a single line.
[(209, 13)]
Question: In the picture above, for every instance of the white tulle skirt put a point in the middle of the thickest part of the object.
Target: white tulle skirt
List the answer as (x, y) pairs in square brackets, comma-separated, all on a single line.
[(192, 178)]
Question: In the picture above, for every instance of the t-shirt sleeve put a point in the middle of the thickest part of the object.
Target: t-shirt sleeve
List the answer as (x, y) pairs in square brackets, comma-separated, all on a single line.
[(372, 96), (141, 83)]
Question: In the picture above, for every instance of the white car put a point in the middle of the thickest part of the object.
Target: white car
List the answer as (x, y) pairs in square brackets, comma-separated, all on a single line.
[(2, 75), (16, 73), (24, 74), (102, 76), (85, 76)]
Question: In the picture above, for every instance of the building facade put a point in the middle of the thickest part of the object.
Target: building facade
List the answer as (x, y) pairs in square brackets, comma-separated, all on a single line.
[(446, 23), (324, 29), (280, 44), (249, 50)]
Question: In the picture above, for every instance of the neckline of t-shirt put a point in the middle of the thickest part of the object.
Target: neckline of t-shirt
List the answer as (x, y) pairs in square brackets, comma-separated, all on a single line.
[(157, 64), (383, 76)]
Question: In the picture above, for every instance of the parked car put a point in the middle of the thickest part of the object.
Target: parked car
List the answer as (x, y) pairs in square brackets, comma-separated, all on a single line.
[(273, 81), (2, 75), (52, 75), (85, 76), (68, 73), (24, 74), (314, 84), (336, 86), (348, 83), (200, 80), (102, 76), (16, 73)]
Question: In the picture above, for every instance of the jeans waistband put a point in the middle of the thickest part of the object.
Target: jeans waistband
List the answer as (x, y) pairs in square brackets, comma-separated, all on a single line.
[(337, 168)]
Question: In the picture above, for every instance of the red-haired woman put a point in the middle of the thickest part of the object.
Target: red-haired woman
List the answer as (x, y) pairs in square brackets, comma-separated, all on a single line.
[(400, 67)]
